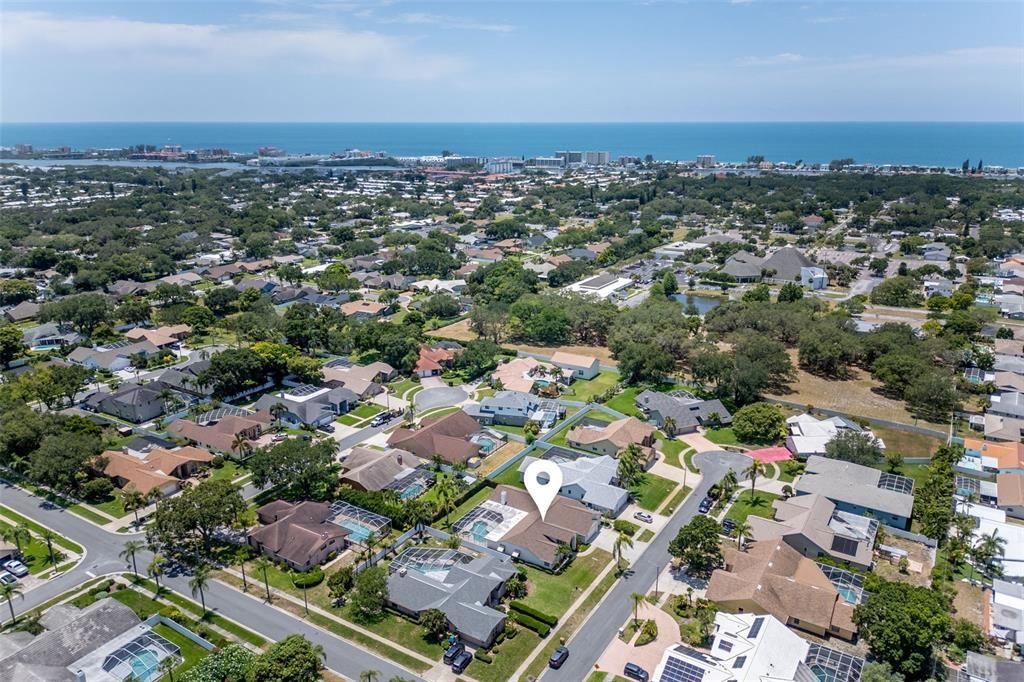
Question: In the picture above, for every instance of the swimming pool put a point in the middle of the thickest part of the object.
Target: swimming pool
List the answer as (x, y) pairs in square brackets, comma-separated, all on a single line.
[(411, 491), (486, 445), (357, 531), (849, 594), (480, 530), (144, 664)]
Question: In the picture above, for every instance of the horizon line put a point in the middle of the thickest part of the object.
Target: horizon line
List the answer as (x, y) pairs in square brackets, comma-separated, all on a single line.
[(282, 122)]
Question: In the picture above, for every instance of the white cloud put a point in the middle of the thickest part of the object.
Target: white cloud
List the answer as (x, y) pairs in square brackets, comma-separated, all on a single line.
[(114, 41), (772, 60), (425, 18)]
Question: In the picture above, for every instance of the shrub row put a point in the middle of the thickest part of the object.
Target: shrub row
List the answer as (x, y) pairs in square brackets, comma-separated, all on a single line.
[(623, 526), (481, 656), (533, 613), (310, 578), (540, 628)]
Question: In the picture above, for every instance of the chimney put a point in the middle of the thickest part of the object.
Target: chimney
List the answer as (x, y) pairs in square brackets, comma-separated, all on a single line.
[(399, 457), (504, 497)]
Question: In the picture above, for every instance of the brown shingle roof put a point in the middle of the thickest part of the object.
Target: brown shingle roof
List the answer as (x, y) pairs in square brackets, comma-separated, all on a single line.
[(445, 435), (299, 532), (621, 433), (1010, 490), (565, 520)]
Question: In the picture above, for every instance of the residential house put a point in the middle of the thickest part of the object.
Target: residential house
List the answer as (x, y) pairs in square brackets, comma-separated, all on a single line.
[(580, 366), (859, 489), (744, 266), (298, 534), (367, 469), (513, 408), (185, 379), (1006, 606), (773, 578), (161, 337), (603, 286), (988, 522), (466, 588), (686, 412), (1009, 404), (447, 436), (307, 405), (364, 309), (1000, 428), (808, 435), (50, 335), (590, 480), (509, 522), (1010, 494), (435, 359), (983, 668), (751, 648), (222, 434), (813, 526), (158, 469), (22, 312), (611, 439), (448, 286), (525, 373), (136, 403), (112, 357)]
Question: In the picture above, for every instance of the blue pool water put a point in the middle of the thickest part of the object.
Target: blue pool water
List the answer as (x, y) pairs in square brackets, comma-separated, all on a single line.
[(479, 531), (486, 445), (144, 664), (358, 532), (412, 491), (848, 594)]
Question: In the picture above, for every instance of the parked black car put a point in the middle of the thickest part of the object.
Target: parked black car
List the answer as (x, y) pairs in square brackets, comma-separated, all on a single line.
[(558, 657), (452, 652), (461, 662), (635, 672), (705, 505)]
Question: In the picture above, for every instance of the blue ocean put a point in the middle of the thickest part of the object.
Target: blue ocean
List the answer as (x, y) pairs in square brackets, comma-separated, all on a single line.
[(945, 144)]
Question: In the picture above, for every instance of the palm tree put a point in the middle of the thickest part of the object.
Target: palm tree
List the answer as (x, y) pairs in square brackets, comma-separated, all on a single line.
[(369, 676), (49, 536), (130, 548), (987, 550), (670, 427), (8, 591), (241, 556), (156, 569), (622, 540), (239, 445), (446, 494), (753, 470), (200, 579), (637, 598), (167, 666), (276, 410), (743, 531), (133, 500), (262, 565), (17, 535)]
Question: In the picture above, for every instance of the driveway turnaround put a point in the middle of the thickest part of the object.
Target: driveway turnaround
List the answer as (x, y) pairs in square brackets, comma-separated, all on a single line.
[(445, 396), (590, 641), (102, 550)]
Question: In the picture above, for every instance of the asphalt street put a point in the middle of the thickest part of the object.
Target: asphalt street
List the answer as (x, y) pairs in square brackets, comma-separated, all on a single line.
[(590, 641), (103, 548)]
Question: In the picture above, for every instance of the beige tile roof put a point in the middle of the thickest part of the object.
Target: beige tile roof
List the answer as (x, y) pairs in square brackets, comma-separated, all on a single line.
[(1010, 490)]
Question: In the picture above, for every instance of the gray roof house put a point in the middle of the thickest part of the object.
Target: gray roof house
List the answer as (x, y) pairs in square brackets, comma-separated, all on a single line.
[(132, 402), (590, 480), (859, 489), (50, 335), (787, 263), (686, 411), (467, 593), (312, 405), (26, 310), (71, 635), (744, 266), (1010, 404), (112, 357), (505, 407)]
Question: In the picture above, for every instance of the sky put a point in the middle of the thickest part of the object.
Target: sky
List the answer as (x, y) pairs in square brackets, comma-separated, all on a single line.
[(483, 60)]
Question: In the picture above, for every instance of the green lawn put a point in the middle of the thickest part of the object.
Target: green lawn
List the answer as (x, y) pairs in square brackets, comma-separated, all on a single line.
[(38, 529), (688, 461), (760, 505), (191, 652), (722, 436), (508, 656), (770, 470), (509, 476), (229, 472), (113, 505), (348, 420), (784, 474), (505, 428), (367, 410), (485, 392), (399, 387), (676, 500), (586, 390), (652, 492), (35, 555), (646, 536), (671, 449), (625, 402), (553, 594), (918, 472)]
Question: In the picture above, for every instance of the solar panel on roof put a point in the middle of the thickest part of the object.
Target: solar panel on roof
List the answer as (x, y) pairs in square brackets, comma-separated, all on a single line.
[(756, 627), (681, 671), (739, 662)]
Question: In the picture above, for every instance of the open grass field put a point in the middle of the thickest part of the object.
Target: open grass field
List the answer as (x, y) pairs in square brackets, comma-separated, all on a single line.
[(759, 505), (460, 331), (586, 390), (553, 594), (652, 492), (855, 396), (908, 444)]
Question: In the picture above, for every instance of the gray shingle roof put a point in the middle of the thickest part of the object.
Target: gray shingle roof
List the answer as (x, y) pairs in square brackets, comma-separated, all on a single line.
[(854, 484)]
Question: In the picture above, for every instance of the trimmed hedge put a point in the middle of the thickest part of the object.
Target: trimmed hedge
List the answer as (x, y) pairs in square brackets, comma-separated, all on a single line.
[(540, 628), (481, 656), (623, 526), (533, 613), (310, 578)]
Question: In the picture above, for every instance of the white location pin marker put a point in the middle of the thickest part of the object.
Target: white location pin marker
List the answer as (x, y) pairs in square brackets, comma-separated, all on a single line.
[(543, 480)]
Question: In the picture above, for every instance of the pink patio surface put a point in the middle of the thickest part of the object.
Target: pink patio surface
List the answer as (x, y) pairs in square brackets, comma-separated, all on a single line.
[(768, 455)]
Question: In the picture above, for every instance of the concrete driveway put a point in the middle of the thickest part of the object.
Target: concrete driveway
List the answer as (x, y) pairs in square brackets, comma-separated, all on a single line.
[(619, 653), (446, 396)]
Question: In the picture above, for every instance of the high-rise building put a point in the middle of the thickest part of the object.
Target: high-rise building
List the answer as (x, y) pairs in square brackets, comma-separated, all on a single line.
[(570, 157), (596, 158), (706, 160), (547, 162)]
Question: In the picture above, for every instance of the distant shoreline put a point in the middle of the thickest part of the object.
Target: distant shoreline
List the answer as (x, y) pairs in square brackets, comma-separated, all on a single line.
[(898, 143)]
